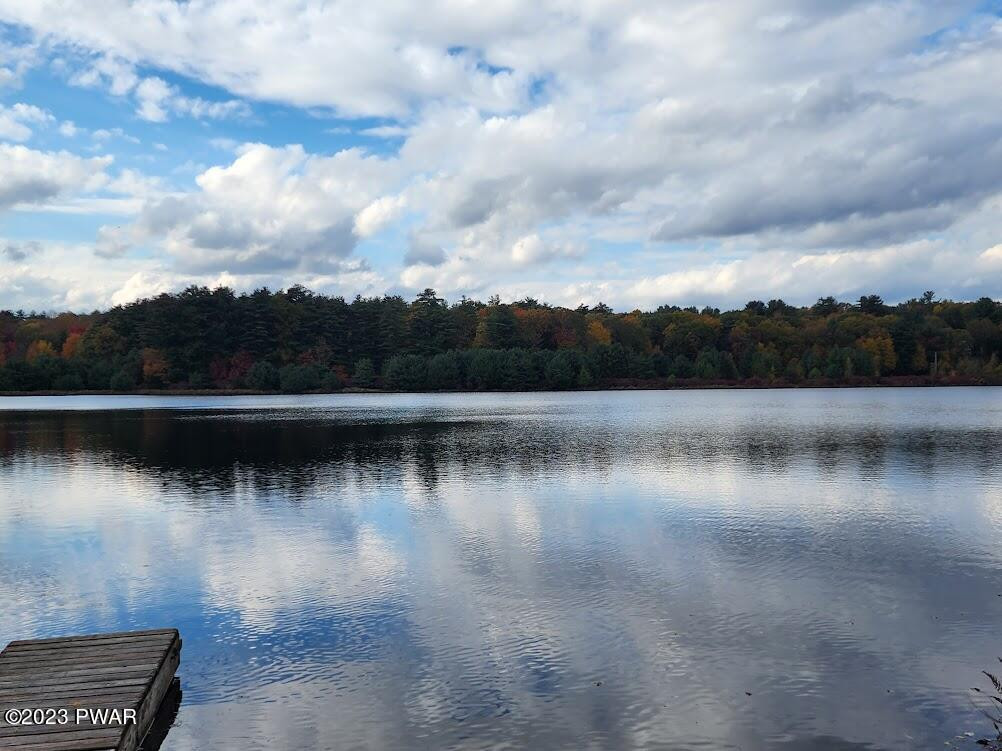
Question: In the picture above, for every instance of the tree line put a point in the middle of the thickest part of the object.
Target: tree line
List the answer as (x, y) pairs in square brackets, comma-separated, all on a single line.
[(294, 340)]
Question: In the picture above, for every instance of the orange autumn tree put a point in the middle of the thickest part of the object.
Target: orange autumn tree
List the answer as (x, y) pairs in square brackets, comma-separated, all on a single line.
[(154, 367), (598, 334), (72, 345), (38, 348)]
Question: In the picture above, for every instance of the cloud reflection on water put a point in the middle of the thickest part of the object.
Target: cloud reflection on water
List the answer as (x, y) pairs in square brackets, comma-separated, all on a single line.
[(399, 577)]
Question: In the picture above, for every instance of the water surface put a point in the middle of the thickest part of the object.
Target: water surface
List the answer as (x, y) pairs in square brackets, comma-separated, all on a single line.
[(686, 570)]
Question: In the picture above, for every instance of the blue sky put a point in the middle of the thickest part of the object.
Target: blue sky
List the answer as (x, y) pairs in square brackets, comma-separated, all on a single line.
[(638, 154)]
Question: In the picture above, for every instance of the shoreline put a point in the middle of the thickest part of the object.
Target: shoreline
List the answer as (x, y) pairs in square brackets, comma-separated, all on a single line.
[(620, 385)]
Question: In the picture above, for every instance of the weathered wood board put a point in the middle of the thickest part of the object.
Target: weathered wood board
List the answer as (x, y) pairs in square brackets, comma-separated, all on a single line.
[(85, 693)]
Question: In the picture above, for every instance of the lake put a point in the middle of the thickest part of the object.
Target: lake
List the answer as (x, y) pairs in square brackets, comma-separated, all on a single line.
[(715, 569)]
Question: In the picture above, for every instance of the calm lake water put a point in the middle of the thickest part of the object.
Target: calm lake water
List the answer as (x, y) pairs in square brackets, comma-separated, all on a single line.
[(686, 570)]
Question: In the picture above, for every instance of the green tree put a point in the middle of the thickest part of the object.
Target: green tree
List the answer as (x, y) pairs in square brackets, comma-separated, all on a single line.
[(297, 379), (707, 365), (428, 324), (123, 380), (406, 373), (486, 369), (365, 374), (562, 370), (520, 372), (445, 372), (682, 367), (794, 372), (263, 376), (330, 381), (872, 305), (826, 306)]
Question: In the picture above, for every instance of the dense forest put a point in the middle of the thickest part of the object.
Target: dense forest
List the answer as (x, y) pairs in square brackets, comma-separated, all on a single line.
[(296, 341)]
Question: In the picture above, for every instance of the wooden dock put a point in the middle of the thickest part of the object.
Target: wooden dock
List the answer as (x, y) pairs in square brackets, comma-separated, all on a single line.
[(85, 693)]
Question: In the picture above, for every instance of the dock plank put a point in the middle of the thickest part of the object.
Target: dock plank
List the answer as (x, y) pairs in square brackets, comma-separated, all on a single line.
[(128, 663), (128, 635), (37, 730), (122, 670), (88, 647), (105, 736), (77, 653), (70, 699)]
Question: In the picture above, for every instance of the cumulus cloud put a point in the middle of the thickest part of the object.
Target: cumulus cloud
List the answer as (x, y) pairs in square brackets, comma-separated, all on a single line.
[(117, 75), (357, 59), (106, 134), (534, 250), (992, 257), (663, 150), (19, 251), (112, 242), (379, 214), (29, 177), (423, 251), (272, 209), (16, 120), (57, 276), (139, 285), (15, 61), (157, 100)]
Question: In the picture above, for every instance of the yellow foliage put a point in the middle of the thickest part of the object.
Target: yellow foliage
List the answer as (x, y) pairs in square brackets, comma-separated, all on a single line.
[(38, 348), (920, 363), (881, 348), (598, 334), (154, 365)]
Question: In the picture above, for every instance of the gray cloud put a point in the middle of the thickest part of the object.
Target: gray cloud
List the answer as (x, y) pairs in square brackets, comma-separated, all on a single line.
[(423, 251), (35, 177), (20, 251), (29, 189)]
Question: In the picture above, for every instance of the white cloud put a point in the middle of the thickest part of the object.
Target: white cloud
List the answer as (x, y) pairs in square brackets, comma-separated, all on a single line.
[(106, 134), (533, 250), (15, 61), (113, 242), (992, 257), (115, 74), (59, 276), (224, 144), (16, 120), (359, 60), (152, 94), (384, 131), (139, 285), (29, 177), (272, 209), (652, 149), (379, 214), (156, 100)]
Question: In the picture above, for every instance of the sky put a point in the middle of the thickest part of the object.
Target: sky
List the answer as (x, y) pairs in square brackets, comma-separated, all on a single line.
[(691, 152)]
